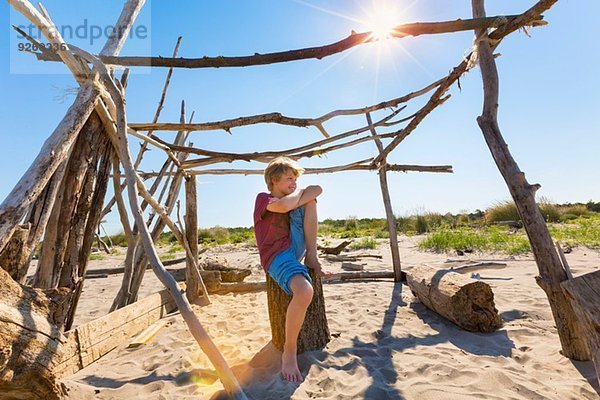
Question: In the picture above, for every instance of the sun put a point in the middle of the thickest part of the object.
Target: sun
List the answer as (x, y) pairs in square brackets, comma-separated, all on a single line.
[(381, 22)]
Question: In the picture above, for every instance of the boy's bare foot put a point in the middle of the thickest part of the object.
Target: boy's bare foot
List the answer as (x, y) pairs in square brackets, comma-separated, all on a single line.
[(289, 367)]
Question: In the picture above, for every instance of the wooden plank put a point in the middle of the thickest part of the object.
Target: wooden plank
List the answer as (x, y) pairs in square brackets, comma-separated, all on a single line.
[(89, 342), (584, 291), (147, 334)]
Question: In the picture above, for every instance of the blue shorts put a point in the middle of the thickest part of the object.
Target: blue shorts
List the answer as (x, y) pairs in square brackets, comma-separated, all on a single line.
[(287, 264)]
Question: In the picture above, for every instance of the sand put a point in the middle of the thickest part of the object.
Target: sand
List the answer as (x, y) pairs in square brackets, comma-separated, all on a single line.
[(385, 344)]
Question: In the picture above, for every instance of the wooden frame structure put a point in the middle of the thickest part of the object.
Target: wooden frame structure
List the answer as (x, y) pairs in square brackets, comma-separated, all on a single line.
[(95, 128)]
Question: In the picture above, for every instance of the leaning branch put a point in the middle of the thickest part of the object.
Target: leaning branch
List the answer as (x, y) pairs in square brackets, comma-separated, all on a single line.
[(355, 39)]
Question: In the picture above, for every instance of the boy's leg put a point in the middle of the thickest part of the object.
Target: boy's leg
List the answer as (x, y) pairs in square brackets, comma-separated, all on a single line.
[(311, 226), (302, 296)]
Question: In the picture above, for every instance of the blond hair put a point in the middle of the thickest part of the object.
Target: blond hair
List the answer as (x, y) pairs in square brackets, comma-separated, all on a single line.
[(279, 166)]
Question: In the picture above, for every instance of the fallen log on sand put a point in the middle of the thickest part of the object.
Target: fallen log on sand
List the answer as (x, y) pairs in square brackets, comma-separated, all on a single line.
[(31, 345), (467, 302)]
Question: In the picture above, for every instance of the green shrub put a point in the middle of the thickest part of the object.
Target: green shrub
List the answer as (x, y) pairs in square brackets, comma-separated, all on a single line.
[(118, 240), (502, 211), (96, 256), (576, 210), (493, 238), (550, 211), (421, 225), (175, 249), (364, 243)]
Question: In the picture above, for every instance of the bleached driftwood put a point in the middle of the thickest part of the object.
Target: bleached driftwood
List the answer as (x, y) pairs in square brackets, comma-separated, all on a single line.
[(355, 39), (467, 302), (54, 151), (584, 293), (226, 376), (569, 328), (335, 250), (387, 203)]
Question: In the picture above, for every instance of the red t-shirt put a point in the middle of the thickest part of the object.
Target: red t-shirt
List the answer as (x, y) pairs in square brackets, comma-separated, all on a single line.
[(272, 230)]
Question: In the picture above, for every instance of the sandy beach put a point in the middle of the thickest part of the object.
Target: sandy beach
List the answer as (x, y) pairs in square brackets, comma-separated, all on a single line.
[(385, 344)]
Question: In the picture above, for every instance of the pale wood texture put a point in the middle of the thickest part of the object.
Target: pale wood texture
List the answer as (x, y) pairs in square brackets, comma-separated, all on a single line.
[(226, 376), (31, 345), (584, 293), (96, 338), (550, 267), (117, 39), (314, 334), (54, 151), (387, 203), (14, 259), (191, 232), (467, 302), (228, 273)]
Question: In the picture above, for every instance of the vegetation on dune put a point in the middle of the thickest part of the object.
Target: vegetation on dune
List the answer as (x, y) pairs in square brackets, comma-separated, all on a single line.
[(492, 230)]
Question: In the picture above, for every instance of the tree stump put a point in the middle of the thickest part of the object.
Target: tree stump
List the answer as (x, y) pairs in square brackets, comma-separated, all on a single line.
[(467, 302), (314, 334), (31, 345)]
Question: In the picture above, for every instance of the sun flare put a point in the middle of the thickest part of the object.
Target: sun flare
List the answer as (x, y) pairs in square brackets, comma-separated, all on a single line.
[(381, 22)]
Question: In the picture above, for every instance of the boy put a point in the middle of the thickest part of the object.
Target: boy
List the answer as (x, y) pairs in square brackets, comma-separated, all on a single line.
[(285, 227)]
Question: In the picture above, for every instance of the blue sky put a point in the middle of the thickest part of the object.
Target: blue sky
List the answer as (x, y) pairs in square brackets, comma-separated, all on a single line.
[(548, 101)]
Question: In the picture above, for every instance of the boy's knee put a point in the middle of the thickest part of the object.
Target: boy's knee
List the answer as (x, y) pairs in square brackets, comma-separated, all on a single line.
[(302, 289)]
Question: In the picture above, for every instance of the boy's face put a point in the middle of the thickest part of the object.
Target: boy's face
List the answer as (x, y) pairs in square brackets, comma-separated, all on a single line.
[(286, 184)]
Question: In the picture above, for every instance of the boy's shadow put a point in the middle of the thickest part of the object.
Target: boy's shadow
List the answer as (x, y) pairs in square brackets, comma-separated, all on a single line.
[(262, 374)]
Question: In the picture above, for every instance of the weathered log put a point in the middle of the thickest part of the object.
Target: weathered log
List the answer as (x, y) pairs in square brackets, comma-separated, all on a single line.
[(228, 274), (335, 250), (523, 193), (584, 293), (352, 257), (467, 302), (30, 341), (13, 258), (314, 333)]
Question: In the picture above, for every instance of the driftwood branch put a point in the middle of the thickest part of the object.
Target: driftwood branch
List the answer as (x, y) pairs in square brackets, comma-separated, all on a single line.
[(227, 378), (356, 166), (355, 39), (275, 117), (115, 42), (52, 154), (570, 329), (214, 157), (530, 17)]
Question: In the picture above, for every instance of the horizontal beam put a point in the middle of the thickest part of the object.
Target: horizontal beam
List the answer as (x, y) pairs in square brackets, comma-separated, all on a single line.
[(355, 39), (349, 167)]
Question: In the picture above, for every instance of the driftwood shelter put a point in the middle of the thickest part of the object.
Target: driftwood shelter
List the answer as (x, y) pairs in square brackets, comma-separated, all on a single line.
[(61, 200)]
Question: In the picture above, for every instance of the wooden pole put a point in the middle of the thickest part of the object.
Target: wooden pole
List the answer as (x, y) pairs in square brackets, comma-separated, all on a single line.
[(551, 271), (387, 203), (191, 233), (226, 376)]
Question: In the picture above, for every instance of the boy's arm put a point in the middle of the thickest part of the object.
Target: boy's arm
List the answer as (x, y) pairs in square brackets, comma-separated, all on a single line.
[(294, 200)]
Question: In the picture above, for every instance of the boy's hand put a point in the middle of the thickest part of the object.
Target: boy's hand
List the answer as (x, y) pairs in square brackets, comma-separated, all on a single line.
[(312, 261)]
